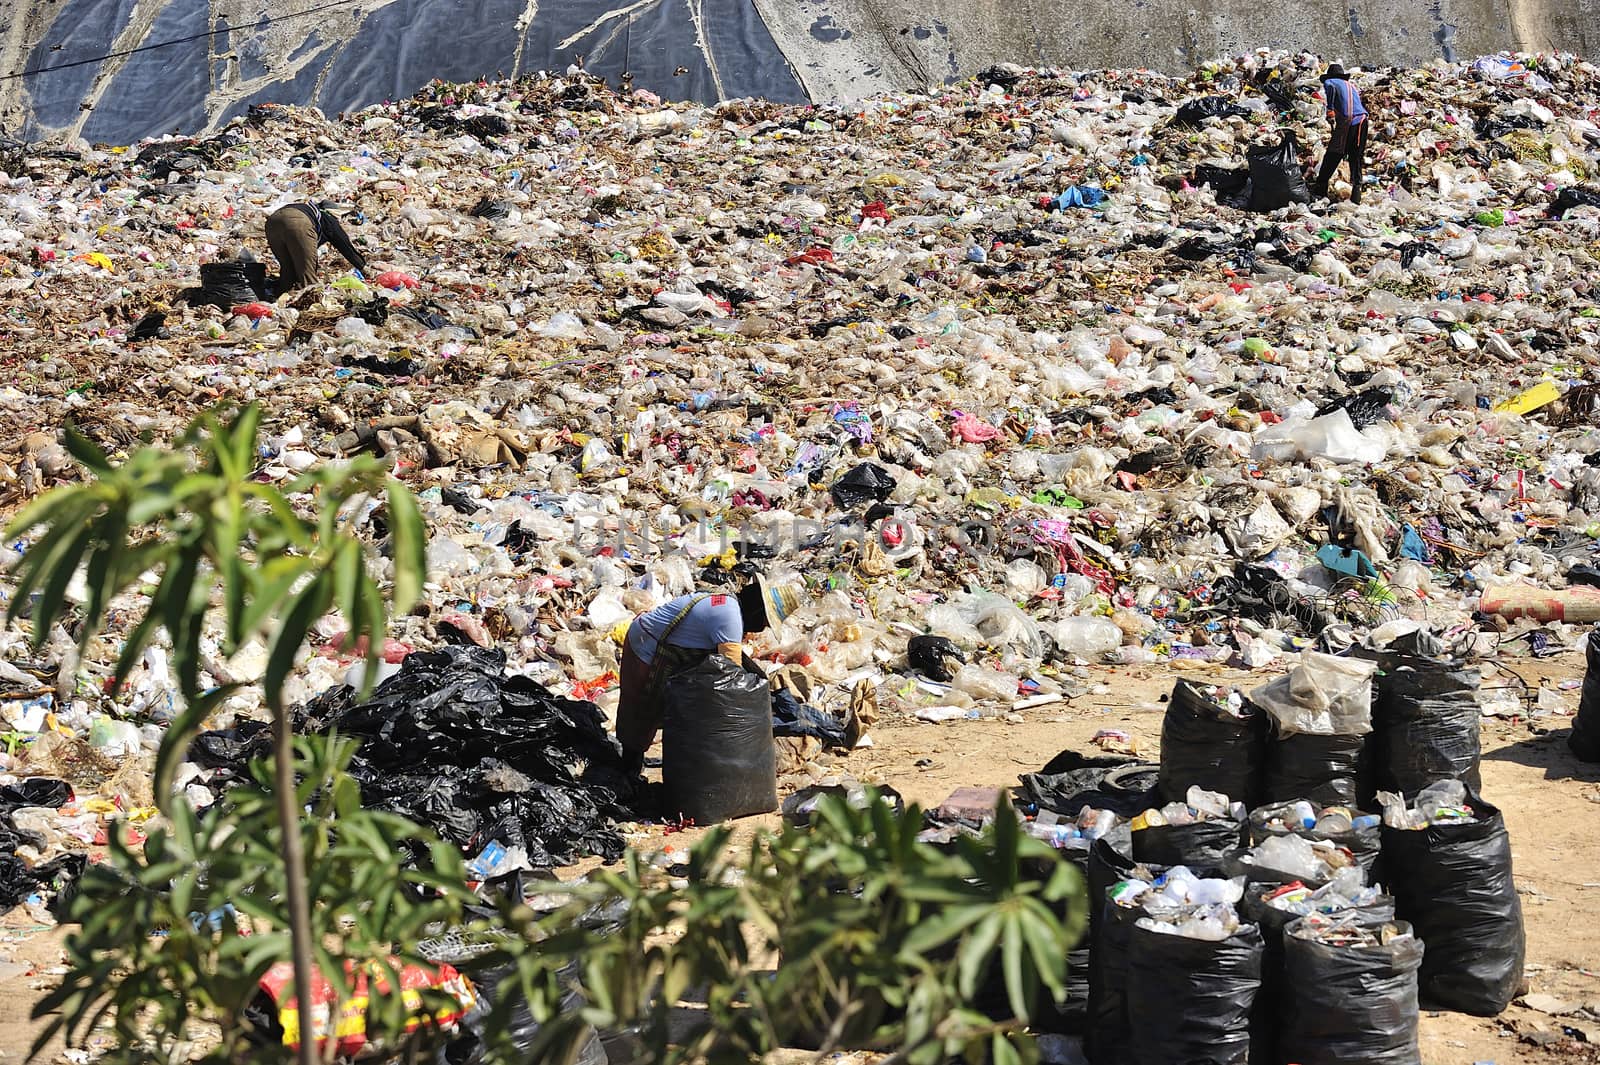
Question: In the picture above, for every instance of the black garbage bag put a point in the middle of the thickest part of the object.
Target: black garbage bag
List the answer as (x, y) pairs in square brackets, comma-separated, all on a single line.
[(1584, 741), (1205, 843), (471, 1040), (1225, 180), (1425, 720), (1107, 1025), (1576, 196), (1191, 998), (230, 284), (717, 758), (150, 327), (866, 483), (1365, 843), (1276, 177), (1367, 407), (491, 208), (1194, 112), (1203, 744), (435, 740), (35, 791), (791, 717), (1349, 1003), (1452, 881), (1326, 770), (1071, 781), (928, 655), (387, 367)]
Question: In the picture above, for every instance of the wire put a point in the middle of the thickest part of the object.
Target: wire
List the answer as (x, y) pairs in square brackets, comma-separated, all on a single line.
[(176, 40)]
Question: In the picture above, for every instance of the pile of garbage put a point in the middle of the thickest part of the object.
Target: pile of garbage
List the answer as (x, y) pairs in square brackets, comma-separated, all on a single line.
[(997, 365)]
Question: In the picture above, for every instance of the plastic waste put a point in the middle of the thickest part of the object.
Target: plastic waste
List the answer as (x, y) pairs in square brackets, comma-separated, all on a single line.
[(1210, 738)]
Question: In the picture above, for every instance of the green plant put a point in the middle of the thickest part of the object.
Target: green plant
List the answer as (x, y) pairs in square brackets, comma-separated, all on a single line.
[(846, 934), (228, 552), (212, 886)]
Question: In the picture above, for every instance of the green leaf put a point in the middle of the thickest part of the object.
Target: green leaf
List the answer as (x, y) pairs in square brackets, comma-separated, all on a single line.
[(307, 608), (84, 450), (973, 959), (408, 537), (1011, 965)]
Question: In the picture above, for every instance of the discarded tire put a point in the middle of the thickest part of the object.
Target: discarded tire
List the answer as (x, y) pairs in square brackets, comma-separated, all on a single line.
[(1452, 881), (717, 758)]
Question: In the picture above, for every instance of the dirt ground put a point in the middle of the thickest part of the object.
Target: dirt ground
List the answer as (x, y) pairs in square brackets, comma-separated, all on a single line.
[(1550, 800)]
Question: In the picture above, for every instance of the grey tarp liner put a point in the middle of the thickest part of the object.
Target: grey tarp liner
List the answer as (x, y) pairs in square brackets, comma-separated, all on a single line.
[(392, 53)]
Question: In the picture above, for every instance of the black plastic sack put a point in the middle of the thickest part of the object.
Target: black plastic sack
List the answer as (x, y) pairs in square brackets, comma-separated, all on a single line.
[(1204, 745), (1190, 998), (453, 743), (470, 1043), (1367, 407), (1425, 720), (1276, 178), (36, 791), (1453, 883), (1575, 196), (929, 656), (866, 483), (1584, 740), (1204, 843), (1225, 180), (1107, 1024), (1072, 781), (717, 758), (791, 717), (1366, 844), (1193, 112), (1344, 1004), (230, 284), (1326, 770)]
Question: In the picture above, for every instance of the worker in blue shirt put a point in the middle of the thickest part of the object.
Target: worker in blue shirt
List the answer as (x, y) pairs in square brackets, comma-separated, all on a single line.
[(678, 635), (1349, 138)]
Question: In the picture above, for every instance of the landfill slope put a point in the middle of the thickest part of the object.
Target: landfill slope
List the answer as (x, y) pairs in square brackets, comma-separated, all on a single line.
[(705, 50), (351, 56)]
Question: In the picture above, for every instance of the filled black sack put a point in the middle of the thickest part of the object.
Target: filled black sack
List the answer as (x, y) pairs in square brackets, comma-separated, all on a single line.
[(1365, 844), (1344, 1004), (717, 758), (471, 1042), (1424, 723), (1107, 1021), (1266, 1017), (1192, 997), (227, 285), (1584, 740), (1205, 843), (1276, 177), (1326, 770), (1204, 745), (1453, 882)]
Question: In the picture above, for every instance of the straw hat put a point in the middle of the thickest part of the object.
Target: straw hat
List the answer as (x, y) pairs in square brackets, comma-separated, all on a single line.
[(779, 600)]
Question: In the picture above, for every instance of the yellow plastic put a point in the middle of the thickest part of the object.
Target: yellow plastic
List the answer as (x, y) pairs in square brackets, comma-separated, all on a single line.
[(1540, 395)]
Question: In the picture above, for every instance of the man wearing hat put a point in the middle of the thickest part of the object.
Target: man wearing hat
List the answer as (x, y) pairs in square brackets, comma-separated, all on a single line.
[(1349, 140), (678, 635), (296, 232)]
